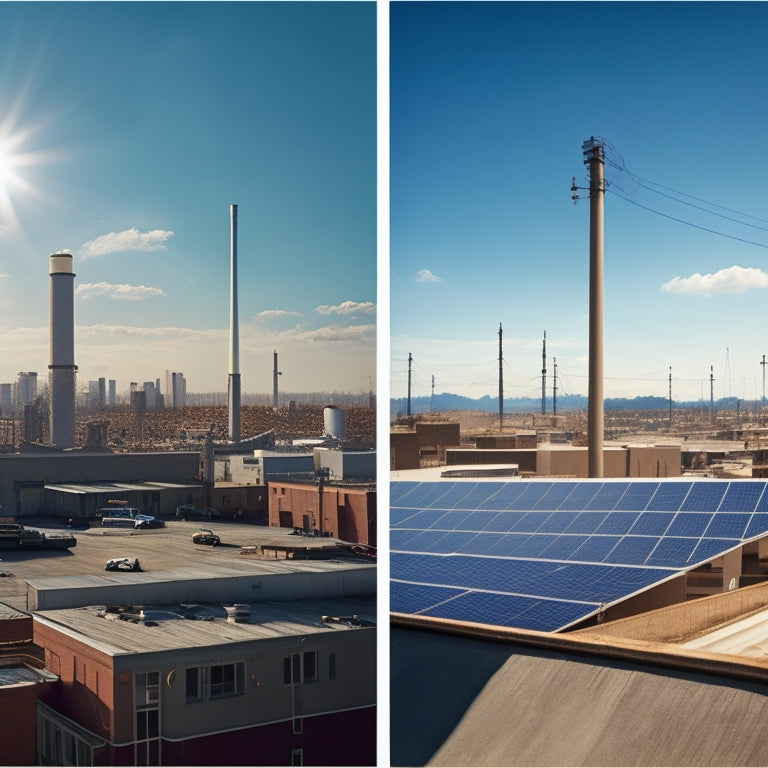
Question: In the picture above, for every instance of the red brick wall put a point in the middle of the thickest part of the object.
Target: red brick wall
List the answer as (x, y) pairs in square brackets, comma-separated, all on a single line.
[(16, 630), (348, 514), (18, 705), (86, 692)]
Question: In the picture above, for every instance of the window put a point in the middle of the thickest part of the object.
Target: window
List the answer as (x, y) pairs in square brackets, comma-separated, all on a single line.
[(332, 666), (217, 681), (146, 688), (300, 668), (297, 757)]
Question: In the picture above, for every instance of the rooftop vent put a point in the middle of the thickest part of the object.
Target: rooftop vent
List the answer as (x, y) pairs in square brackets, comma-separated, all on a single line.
[(239, 613)]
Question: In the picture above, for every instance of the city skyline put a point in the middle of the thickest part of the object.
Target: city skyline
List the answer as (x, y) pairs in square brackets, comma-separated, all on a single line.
[(489, 105), (127, 132)]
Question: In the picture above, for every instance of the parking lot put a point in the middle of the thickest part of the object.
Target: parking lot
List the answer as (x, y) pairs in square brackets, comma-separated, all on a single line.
[(157, 549)]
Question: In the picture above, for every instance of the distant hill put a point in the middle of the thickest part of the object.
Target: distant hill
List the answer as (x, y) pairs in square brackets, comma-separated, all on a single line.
[(450, 402)]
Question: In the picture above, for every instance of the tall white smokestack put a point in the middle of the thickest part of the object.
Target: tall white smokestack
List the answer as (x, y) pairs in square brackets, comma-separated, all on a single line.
[(234, 336), (62, 333)]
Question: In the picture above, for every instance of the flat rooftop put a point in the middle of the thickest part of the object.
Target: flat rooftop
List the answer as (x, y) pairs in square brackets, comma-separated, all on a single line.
[(164, 553), (118, 631)]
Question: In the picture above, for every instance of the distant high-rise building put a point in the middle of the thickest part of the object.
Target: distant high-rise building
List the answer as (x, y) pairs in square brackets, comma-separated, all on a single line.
[(102, 392), (6, 399), (151, 395), (178, 390), (112, 396), (26, 387)]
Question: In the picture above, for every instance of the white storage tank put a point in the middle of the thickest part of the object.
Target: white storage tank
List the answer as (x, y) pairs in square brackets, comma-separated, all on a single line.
[(333, 422)]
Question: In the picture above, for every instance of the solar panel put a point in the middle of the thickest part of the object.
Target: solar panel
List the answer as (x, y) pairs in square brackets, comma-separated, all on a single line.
[(548, 554)]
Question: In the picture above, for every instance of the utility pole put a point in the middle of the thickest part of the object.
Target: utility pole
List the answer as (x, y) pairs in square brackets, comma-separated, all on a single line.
[(501, 384), (432, 400), (594, 158), (711, 394), (408, 404), (544, 374), (554, 386), (763, 364)]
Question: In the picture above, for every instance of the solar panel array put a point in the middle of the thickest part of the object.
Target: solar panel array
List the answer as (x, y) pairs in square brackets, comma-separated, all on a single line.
[(546, 554)]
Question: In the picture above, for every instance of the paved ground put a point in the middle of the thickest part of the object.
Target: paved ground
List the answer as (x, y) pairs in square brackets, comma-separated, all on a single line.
[(158, 549)]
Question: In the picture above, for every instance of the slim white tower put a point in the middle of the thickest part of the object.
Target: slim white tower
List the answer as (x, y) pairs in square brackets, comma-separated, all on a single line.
[(62, 366), (234, 336)]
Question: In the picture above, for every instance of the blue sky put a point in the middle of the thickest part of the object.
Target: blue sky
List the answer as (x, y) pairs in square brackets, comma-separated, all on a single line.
[(490, 104), (127, 130)]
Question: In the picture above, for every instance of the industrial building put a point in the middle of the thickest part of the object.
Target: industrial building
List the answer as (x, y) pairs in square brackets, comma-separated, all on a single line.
[(74, 484), (575, 618), (238, 660)]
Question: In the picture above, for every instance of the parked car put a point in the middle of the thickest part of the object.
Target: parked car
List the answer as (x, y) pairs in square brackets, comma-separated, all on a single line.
[(205, 536), (191, 512), (123, 564)]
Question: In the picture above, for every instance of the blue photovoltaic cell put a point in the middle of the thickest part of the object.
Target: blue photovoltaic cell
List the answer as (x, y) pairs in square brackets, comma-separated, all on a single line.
[(708, 549), (608, 496), (424, 541), (581, 495), (511, 610), (481, 497), (399, 516), (651, 524), (422, 519), (668, 497), (398, 540), (530, 495), (742, 497), (672, 552), (586, 522), (757, 525), (563, 547), (557, 522), (689, 524), (399, 491), (414, 598), (452, 542), (478, 544), (533, 555), (451, 498), (595, 549), (727, 525), (476, 521), (555, 495), (618, 523), (632, 549), (762, 504), (452, 520), (637, 496), (704, 497)]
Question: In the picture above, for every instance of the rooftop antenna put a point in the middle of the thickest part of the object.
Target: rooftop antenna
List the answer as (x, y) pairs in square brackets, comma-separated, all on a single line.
[(763, 364), (711, 394), (670, 397), (432, 399)]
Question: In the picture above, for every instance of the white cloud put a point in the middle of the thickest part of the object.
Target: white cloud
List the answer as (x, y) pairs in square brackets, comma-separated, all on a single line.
[(129, 240), (269, 314), (347, 308), (731, 280), (425, 276), (3, 229), (121, 292), (337, 333)]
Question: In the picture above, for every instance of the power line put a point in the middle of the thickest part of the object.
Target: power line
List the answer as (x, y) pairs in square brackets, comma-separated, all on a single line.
[(689, 223)]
